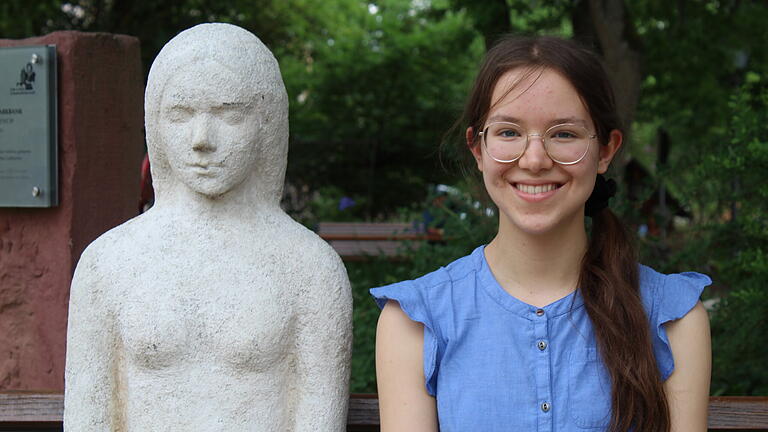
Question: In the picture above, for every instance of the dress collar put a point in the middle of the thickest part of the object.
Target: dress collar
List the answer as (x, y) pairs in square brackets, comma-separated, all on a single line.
[(488, 281)]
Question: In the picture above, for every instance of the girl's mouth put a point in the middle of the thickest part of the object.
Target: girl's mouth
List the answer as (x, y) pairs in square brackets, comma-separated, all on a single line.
[(537, 189), (536, 193)]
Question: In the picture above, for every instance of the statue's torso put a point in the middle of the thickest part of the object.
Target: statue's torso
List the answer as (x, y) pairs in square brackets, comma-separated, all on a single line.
[(206, 334)]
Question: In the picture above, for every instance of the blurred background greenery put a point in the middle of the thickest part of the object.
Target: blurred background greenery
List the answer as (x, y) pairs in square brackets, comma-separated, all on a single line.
[(376, 85)]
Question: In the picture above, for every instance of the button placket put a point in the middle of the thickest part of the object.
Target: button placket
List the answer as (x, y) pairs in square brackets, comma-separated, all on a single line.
[(543, 370)]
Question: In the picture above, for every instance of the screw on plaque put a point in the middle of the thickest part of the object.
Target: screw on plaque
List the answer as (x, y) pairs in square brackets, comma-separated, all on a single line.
[(35, 59), (35, 191)]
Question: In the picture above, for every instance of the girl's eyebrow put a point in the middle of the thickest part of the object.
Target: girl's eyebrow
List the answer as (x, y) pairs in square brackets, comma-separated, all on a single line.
[(510, 119), (503, 118), (569, 120)]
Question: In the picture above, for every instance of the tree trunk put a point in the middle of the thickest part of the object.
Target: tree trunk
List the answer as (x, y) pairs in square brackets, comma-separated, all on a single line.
[(622, 53)]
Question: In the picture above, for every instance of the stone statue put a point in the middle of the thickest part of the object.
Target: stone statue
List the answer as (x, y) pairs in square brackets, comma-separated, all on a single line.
[(214, 310)]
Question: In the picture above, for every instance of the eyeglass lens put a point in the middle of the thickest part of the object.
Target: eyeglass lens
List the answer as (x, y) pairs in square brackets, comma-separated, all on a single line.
[(566, 143)]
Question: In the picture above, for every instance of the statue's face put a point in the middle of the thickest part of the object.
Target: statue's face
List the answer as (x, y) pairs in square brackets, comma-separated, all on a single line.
[(209, 127)]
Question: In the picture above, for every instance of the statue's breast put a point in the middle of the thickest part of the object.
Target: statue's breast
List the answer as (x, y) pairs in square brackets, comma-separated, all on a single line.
[(232, 319)]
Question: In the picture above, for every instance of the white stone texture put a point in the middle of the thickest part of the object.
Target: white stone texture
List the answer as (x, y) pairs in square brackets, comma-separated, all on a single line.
[(213, 311)]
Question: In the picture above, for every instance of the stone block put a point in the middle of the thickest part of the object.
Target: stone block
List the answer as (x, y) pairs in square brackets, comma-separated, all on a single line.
[(100, 111)]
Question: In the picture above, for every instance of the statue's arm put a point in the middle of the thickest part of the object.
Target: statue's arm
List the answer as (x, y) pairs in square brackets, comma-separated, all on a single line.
[(90, 396), (323, 349)]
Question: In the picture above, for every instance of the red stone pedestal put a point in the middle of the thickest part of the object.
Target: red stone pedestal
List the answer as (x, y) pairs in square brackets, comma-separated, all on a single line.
[(100, 102)]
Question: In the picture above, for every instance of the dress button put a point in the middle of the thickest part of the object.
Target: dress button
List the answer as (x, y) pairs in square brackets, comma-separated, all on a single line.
[(542, 345), (545, 407), (539, 312)]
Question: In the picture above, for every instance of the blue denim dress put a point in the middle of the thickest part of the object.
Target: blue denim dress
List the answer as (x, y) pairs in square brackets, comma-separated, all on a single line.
[(494, 363)]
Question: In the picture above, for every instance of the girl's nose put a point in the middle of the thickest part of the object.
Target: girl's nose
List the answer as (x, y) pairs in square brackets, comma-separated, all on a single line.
[(535, 157)]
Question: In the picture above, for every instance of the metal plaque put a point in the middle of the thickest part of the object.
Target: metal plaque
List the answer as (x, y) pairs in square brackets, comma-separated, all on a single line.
[(28, 128)]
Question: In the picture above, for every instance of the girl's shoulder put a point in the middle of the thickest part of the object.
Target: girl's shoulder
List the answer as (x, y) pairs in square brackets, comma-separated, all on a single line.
[(673, 293), (429, 300), (426, 288), (668, 297)]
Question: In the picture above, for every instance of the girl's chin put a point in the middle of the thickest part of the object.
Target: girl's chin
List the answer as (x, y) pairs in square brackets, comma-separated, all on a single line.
[(532, 225), (541, 224)]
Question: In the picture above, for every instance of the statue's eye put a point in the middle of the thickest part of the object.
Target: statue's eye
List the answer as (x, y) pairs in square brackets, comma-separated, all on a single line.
[(231, 114), (179, 114)]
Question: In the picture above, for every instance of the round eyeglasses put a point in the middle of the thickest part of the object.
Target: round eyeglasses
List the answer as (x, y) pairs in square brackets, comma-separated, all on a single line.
[(565, 144)]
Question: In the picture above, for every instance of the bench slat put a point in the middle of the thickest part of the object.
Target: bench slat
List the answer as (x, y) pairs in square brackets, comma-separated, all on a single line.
[(44, 411), (31, 407), (738, 412), (355, 241)]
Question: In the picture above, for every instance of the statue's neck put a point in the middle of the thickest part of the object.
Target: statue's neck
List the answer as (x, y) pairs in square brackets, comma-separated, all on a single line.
[(239, 205)]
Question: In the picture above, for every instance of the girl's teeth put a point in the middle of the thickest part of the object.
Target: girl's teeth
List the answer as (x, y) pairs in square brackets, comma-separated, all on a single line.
[(533, 190)]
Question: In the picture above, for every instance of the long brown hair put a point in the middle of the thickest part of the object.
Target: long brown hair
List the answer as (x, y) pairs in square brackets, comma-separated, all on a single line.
[(609, 280)]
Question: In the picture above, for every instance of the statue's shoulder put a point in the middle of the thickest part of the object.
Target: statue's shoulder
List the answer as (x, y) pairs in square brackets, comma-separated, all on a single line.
[(305, 242), (113, 246), (318, 259)]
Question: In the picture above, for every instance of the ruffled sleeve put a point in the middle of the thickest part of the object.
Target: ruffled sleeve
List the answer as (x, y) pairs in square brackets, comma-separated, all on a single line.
[(673, 297), (412, 297)]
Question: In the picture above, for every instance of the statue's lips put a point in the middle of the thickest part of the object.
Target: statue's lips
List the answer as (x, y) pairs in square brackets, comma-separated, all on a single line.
[(204, 168)]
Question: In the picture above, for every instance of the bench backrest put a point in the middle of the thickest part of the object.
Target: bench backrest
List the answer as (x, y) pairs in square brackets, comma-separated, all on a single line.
[(42, 412)]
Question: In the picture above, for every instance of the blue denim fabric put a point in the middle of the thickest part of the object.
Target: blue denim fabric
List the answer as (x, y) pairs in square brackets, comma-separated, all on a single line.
[(495, 363)]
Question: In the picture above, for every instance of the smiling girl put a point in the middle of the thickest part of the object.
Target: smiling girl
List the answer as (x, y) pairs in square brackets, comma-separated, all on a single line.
[(546, 328)]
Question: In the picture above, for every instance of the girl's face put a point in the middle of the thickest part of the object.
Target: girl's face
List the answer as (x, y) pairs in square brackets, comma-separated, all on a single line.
[(538, 102)]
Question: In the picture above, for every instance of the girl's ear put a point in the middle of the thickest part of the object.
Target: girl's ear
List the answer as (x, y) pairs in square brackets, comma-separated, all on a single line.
[(608, 151), (475, 148)]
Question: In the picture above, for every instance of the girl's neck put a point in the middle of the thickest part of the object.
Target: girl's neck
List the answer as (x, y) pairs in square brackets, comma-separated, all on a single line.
[(538, 268)]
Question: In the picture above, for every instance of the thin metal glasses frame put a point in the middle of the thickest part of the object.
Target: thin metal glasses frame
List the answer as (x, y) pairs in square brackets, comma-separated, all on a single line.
[(484, 134)]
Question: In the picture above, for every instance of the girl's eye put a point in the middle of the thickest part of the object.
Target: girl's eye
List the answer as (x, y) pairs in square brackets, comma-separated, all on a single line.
[(566, 135), (505, 132), (509, 133)]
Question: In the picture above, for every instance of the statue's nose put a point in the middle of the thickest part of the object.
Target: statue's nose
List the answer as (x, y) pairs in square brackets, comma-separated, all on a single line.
[(201, 134)]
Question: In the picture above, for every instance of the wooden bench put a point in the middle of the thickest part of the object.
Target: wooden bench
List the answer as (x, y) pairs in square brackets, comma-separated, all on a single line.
[(42, 412), (357, 241)]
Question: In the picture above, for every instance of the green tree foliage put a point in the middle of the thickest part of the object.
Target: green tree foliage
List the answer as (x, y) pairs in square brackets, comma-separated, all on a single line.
[(372, 100), (696, 56), (372, 86), (20, 19), (738, 329), (704, 87), (736, 165)]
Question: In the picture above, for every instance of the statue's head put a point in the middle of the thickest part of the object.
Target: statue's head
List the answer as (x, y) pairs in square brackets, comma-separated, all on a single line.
[(216, 115)]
